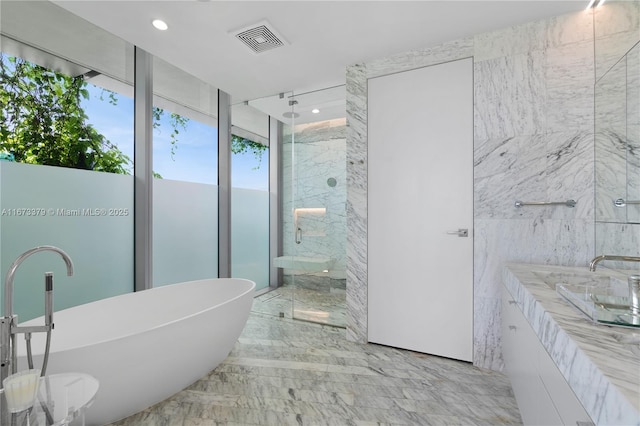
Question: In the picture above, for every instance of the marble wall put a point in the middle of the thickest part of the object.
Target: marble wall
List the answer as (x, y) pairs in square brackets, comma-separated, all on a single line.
[(320, 155), (533, 141)]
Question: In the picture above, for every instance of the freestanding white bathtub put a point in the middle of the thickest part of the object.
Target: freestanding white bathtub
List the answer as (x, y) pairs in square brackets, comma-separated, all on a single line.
[(146, 346)]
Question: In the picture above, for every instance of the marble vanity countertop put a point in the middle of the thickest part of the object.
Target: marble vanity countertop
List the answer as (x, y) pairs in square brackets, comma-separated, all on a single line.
[(597, 361)]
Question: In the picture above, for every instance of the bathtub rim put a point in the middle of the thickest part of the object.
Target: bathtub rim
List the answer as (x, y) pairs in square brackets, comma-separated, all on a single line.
[(38, 349)]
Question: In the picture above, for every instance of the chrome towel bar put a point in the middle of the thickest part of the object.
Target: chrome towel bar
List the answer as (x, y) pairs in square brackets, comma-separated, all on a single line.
[(568, 203), (621, 202)]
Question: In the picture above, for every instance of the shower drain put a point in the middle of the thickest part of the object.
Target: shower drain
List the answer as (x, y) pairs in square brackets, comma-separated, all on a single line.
[(271, 298)]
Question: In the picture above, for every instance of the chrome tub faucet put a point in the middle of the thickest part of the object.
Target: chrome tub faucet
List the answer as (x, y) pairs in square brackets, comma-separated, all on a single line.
[(9, 322)]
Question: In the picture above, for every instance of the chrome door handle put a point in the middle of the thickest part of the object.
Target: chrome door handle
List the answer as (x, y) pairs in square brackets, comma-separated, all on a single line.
[(461, 232), (298, 236)]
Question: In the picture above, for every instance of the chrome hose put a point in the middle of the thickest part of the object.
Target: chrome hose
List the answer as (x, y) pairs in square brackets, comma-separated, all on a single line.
[(45, 361), (48, 317), (27, 337)]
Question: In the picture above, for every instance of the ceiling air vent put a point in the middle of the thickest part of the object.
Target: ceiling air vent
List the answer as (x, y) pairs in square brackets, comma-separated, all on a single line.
[(259, 37)]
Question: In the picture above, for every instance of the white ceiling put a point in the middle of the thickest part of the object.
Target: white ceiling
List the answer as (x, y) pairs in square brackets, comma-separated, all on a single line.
[(323, 36), (322, 39)]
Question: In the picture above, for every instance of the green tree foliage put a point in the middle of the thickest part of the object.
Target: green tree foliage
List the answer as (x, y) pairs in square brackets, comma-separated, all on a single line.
[(176, 121), (42, 121), (242, 146)]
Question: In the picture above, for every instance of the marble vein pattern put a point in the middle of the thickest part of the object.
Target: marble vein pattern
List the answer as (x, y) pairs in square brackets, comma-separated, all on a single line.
[(616, 30), (320, 155), (539, 240), (285, 372), (569, 87), (618, 238), (321, 302), (517, 160), (356, 99), (509, 96), (533, 102), (600, 363), (569, 173), (611, 144), (510, 41), (569, 28)]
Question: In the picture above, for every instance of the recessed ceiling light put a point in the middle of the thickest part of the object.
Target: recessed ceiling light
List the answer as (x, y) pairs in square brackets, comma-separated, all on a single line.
[(160, 24), (315, 110)]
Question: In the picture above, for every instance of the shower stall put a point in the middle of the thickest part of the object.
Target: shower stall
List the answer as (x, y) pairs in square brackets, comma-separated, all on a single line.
[(313, 199)]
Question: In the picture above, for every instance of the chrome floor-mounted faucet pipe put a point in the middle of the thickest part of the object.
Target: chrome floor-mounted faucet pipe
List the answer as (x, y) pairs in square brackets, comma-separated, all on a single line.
[(9, 328)]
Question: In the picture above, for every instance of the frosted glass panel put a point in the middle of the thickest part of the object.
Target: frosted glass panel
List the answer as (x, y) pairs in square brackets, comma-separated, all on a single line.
[(86, 213), (250, 235), (185, 231), (185, 156), (250, 195)]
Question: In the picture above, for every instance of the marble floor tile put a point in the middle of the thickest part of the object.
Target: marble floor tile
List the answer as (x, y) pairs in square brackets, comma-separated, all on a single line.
[(324, 306), (288, 372)]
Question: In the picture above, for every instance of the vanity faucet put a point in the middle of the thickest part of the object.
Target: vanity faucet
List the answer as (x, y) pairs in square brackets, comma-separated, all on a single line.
[(595, 260), (9, 322)]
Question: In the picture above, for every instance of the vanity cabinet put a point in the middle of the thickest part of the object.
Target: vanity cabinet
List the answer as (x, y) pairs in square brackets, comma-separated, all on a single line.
[(543, 395)]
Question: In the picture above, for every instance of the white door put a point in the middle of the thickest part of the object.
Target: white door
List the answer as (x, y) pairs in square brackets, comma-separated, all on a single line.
[(420, 193)]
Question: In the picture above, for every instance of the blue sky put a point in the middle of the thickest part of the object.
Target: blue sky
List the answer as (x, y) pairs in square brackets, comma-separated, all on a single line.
[(196, 155)]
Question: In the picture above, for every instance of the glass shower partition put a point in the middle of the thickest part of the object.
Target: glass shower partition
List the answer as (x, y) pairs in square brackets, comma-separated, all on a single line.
[(312, 195), (316, 243)]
